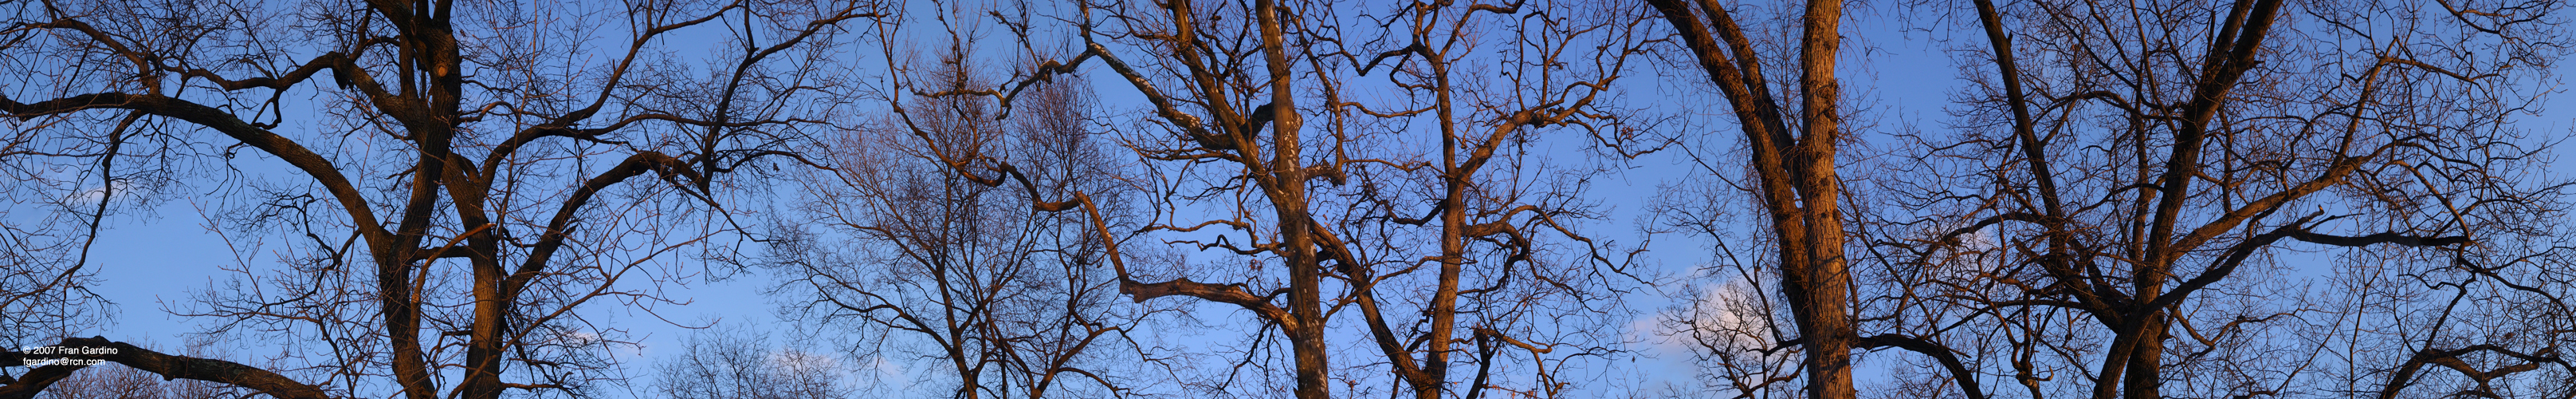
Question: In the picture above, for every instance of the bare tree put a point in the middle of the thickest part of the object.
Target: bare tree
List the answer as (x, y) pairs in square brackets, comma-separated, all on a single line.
[(2146, 184), (728, 362), (1293, 236), (927, 263), (1491, 82), (1243, 87), (459, 187), (2136, 200), (107, 382), (1793, 164)]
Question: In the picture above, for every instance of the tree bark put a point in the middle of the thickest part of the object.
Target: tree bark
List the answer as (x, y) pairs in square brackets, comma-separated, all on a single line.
[(1799, 185)]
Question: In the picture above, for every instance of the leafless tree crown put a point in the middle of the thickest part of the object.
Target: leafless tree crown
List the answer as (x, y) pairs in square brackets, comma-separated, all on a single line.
[(1297, 198)]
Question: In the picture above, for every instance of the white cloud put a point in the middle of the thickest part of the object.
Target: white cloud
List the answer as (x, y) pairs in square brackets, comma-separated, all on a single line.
[(1732, 312), (804, 362), (1729, 315), (887, 371), (91, 196)]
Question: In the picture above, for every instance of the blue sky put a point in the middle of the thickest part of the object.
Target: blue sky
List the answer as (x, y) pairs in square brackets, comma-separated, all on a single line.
[(156, 259)]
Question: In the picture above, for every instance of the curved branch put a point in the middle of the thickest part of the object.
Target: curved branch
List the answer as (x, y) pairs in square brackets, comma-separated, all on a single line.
[(361, 215), (1958, 371), (169, 367), (560, 227)]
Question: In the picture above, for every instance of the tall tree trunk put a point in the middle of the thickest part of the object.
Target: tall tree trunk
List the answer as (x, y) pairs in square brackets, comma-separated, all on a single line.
[(1799, 187), (1296, 226), (1826, 322)]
